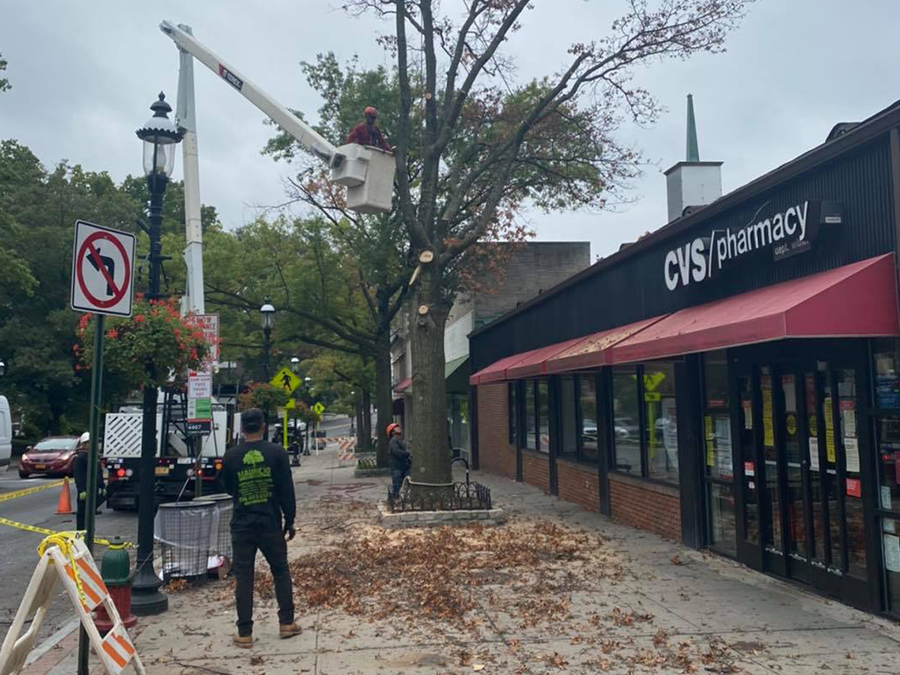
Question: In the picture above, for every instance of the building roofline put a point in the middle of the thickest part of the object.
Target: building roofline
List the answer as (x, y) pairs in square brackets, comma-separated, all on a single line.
[(866, 131), (683, 163)]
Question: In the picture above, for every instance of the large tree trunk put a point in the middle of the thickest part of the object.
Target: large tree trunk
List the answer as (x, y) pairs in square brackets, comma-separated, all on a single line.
[(360, 429), (384, 402), (367, 419), (428, 423)]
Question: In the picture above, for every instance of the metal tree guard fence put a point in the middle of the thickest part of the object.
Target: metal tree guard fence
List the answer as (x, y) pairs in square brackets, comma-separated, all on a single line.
[(220, 530), (183, 530)]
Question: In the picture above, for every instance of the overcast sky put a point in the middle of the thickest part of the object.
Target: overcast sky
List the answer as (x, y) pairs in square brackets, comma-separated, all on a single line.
[(84, 74)]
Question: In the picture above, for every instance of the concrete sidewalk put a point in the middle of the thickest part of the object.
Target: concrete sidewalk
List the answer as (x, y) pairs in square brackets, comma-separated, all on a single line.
[(572, 592)]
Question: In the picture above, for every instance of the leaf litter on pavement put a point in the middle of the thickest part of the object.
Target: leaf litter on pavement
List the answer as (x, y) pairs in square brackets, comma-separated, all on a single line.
[(517, 579)]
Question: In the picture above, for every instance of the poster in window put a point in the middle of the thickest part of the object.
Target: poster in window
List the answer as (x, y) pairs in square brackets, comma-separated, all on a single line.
[(710, 453), (723, 446), (768, 427), (829, 430), (813, 454), (848, 418), (708, 425), (891, 552), (851, 449), (886, 502), (749, 469), (748, 415), (854, 487)]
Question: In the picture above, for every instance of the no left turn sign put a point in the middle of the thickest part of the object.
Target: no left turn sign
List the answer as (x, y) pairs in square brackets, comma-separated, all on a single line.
[(102, 266)]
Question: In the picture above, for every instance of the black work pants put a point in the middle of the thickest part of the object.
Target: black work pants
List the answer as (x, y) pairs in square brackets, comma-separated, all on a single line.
[(245, 543), (81, 510)]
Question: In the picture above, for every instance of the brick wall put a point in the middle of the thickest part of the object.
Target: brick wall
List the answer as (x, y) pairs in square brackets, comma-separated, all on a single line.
[(578, 484), (536, 469), (495, 454), (656, 508)]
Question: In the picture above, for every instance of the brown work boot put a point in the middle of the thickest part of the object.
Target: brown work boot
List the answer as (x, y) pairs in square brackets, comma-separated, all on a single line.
[(242, 641), (289, 630)]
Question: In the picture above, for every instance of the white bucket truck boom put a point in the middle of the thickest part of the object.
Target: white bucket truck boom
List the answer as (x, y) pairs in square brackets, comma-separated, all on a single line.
[(367, 172)]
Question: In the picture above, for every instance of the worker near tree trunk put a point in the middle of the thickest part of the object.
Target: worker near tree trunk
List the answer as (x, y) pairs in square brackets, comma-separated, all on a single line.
[(366, 133), (401, 460), (80, 473), (258, 477)]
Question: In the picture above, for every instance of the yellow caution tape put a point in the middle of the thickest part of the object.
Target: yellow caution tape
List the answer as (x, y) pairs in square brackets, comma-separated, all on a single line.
[(51, 533), (63, 541), (29, 491)]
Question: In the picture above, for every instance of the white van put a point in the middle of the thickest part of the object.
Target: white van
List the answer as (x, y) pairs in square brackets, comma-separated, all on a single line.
[(5, 432)]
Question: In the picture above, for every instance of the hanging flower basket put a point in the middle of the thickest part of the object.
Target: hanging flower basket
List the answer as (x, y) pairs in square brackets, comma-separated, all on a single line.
[(155, 333)]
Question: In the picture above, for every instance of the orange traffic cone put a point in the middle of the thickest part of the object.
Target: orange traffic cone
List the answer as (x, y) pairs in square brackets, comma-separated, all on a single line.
[(64, 505)]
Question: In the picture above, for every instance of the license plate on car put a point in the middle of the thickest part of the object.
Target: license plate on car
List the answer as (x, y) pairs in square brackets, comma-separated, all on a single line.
[(162, 471), (40, 466)]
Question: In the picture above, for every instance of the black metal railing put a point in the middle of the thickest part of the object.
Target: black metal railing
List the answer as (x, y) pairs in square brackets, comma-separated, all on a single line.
[(451, 497)]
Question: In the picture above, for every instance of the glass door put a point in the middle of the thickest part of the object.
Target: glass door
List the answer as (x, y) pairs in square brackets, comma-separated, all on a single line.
[(771, 475), (796, 488), (748, 438)]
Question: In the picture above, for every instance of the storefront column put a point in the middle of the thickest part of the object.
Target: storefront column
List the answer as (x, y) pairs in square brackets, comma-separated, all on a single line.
[(473, 427), (555, 432), (605, 432), (690, 450)]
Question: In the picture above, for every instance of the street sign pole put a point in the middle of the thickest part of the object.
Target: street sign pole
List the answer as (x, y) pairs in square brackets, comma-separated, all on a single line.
[(84, 643)]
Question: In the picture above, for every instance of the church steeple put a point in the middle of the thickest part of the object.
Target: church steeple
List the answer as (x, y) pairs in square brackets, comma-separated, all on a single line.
[(693, 149), (691, 183)]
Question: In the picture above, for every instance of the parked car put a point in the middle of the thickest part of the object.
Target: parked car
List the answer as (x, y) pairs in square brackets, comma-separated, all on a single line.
[(626, 428), (54, 455)]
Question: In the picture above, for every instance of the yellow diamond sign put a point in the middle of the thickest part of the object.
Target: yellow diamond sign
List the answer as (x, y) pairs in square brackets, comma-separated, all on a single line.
[(318, 408), (285, 380)]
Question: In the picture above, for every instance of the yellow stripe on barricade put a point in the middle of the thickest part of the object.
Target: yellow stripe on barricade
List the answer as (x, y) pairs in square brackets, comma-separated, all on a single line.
[(29, 491), (46, 532)]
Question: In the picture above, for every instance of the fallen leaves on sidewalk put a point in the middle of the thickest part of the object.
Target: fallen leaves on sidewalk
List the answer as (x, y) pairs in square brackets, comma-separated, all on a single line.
[(440, 574)]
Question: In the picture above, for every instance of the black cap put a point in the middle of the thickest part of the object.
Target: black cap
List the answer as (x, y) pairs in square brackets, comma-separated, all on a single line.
[(252, 420)]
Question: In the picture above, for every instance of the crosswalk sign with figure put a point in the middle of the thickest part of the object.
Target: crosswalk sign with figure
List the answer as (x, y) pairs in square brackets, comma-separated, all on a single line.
[(285, 380)]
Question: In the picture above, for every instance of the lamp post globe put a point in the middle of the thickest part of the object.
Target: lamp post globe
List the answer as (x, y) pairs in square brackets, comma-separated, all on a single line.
[(160, 138), (2, 368), (295, 364), (267, 312)]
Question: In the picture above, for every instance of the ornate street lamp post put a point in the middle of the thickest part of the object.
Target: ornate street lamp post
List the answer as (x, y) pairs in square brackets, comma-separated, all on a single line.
[(160, 138)]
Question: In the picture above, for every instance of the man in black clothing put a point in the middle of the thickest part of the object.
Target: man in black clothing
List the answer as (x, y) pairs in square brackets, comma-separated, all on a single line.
[(258, 477), (401, 460), (80, 473)]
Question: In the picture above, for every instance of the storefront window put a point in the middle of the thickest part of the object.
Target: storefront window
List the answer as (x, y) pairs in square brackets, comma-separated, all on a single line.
[(530, 417), (890, 550), (588, 402), (544, 420), (715, 375), (721, 515), (567, 416), (513, 410), (463, 440), (849, 423), (717, 441), (887, 374), (661, 431), (626, 416)]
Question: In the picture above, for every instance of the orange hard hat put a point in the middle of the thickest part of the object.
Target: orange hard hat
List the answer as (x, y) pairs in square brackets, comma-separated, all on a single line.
[(391, 427), (370, 111)]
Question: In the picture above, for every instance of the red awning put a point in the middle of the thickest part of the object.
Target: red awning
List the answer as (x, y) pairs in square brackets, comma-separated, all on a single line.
[(535, 363), (593, 351), (857, 300), (496, 372), (403, 385)]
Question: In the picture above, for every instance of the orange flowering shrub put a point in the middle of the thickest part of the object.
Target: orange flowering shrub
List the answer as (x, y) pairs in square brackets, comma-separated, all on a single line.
[(155, 332)]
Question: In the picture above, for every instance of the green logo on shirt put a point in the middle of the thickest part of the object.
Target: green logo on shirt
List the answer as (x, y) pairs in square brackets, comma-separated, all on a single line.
[(253, 457)]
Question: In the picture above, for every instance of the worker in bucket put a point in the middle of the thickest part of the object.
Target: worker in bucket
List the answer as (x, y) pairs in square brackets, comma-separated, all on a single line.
[(258, 477), (366, 133), (80, 473), (401, 460)]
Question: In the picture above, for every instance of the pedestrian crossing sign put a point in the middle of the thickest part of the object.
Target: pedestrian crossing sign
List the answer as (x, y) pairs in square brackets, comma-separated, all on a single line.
[(290, 405), (285, 380)]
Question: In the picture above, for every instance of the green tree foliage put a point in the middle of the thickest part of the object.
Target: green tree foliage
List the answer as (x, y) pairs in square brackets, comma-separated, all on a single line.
[(4, 82), (38, 209)]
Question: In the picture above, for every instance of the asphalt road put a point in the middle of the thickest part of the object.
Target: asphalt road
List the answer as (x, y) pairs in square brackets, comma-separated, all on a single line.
[(18, 548)]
